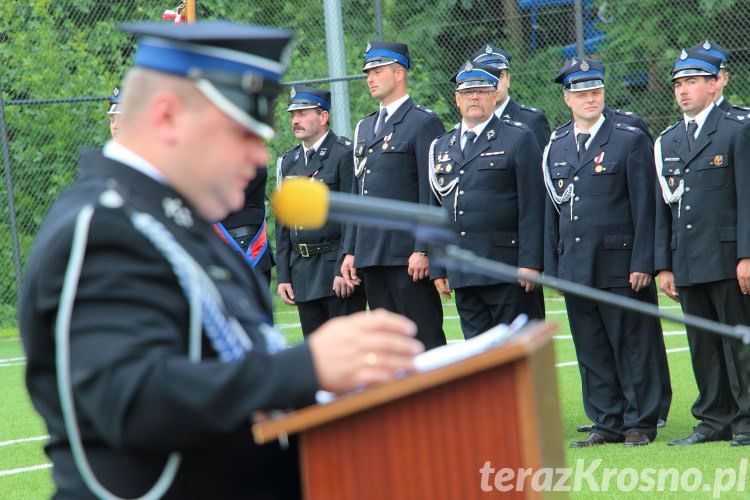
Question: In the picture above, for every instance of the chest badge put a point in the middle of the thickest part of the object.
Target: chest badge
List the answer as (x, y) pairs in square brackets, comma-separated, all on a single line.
[(453, 140), (718, 160), (361, 150), (441, 181), (490, 134), (448, 168), (671, 182), (560, 183)]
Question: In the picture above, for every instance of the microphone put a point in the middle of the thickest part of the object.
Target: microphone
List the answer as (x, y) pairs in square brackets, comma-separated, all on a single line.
[(306, 203)]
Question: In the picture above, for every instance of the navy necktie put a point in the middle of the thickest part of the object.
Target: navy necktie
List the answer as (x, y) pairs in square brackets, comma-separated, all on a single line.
[(381, 120), (691, 128), (470, 136), (581, 140)]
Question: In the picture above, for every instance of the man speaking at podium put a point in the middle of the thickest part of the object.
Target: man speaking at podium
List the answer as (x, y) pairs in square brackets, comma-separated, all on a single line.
[(149, 340)]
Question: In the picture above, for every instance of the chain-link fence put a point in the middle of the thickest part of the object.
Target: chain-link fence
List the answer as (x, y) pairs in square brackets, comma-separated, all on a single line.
[(65, 50)]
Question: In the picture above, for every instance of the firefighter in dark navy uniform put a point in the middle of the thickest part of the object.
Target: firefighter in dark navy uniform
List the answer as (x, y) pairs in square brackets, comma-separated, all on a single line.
[(114, 111), (703, 241), (506, 107), (599, 232), (509, 110), (713, 49), (486, 173), (390, 161), (309, 261)]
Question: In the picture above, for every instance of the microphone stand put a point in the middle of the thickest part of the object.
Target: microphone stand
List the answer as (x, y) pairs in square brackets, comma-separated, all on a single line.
[(453, 257)]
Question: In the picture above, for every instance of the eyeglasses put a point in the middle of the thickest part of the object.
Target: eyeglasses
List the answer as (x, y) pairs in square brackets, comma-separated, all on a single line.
[(470, 93)]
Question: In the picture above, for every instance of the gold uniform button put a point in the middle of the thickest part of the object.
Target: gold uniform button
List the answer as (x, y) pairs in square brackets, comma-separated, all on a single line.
[(687, 207), (365, 191), (578, 240), (460, 212), (575, 217), (369, 150), (575, 178), (463, 233), (687, 188), (577, 198), (367, 171), (460, 193), (461, 172), (689, 227)]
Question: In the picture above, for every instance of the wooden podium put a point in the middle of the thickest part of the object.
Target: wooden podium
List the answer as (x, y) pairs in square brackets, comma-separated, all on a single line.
[(426, 436)]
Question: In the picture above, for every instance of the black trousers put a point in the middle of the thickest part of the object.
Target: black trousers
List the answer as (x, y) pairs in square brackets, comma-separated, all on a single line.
[(723, 403), (391, 288), (619, 364), (314, 313), (482, 307)]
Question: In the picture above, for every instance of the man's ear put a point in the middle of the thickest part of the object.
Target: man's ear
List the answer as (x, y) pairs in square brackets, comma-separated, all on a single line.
[(165, 116)]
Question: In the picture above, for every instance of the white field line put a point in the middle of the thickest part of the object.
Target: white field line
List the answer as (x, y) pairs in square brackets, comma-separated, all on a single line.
[(12, 339), (24, 469), (575, 363), (666, 334), (25, 440)]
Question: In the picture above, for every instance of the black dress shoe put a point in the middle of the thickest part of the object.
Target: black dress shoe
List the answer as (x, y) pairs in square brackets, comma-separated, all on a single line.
[(661, 423), (635, 438), (741, 440), (585, 428), (593, 440), (694, 438)]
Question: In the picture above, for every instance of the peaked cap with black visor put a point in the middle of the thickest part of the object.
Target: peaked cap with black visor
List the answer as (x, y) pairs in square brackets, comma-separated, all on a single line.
[(581, 74), (237, 67)]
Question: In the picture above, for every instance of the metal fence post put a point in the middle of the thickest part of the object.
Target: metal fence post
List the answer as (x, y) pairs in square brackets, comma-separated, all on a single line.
[(379, 19), (579, 28), (337, 67), (11, 198)]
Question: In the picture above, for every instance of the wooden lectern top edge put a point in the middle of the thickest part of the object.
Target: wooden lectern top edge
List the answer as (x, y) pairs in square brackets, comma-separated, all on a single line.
[(531, 338)]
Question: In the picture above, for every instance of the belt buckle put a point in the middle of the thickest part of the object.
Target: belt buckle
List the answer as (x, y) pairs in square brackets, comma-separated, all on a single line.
[(303, 251)]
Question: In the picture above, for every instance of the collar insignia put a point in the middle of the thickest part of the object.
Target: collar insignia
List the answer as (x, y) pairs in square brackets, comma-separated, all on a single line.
[(174, 209)]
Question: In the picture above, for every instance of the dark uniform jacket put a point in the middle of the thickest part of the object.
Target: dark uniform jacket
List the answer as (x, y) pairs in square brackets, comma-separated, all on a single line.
[(137, 395), (626, 117), (701, 237), (393, 165), (534, 118), (605, 231), (727, 106), (252, 216), (312, 277), (495, 196)]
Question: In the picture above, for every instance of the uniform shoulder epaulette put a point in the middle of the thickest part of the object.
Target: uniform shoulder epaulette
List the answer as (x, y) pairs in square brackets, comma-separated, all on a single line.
[(670, 127), (530, 108), (513, 123), (292, 149), (425, 109), (624, 112), (344, 141), (626, 127), (559, 132), (737, 116)]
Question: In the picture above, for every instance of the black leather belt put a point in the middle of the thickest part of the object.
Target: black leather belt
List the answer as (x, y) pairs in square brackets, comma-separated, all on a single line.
[(310, 249), (240, 232)]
